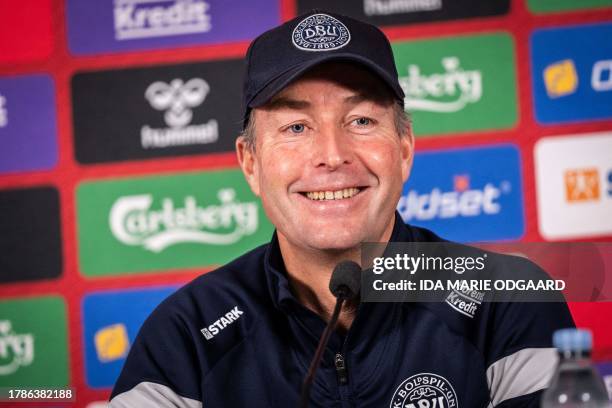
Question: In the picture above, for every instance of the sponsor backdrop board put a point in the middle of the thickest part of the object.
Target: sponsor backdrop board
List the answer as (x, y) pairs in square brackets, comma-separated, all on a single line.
[(118, 181), (157, 111), (393, 12), (111, 321), (572, 73), (574, 185), (103, 26), (33, 340), (551, 6), (30, 234), (464, 195), (459, 84), (27, 144), (167, 222)]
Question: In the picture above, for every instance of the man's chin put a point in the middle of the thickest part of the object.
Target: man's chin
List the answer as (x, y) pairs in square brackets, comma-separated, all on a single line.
[(336, 243)]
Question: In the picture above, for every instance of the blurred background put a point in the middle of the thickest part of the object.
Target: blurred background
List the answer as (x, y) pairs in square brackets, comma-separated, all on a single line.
[(118, 180)]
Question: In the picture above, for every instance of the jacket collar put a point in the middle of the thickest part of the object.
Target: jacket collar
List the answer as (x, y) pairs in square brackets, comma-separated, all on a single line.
[(276, 274)]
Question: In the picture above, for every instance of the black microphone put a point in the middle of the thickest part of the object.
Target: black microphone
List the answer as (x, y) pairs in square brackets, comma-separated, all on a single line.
[(344, 284)]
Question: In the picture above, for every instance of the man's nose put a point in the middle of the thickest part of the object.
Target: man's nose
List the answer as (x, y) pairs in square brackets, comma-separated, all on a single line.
[(331, 148)]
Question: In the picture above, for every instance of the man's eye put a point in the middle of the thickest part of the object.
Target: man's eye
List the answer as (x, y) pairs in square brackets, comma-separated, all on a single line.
[(362, 121), (297, 128)]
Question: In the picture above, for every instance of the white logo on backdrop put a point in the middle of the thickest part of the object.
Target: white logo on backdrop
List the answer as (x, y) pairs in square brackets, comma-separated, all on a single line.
[(439, 204), (177, 99), (601, 76), (389, 7), (161, 18), (133, 222), (16, 350), (3, 112), (446, 92)]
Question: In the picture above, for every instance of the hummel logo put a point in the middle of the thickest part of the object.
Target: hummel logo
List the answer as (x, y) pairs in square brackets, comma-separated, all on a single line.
[(220, 324)]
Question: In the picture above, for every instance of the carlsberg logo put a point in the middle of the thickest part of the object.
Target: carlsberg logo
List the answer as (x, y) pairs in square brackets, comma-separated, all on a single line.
[(133, 221), (16, 350), (446, 92)]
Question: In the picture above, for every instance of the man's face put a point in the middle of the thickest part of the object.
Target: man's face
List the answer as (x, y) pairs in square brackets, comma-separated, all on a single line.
[(328, 162)]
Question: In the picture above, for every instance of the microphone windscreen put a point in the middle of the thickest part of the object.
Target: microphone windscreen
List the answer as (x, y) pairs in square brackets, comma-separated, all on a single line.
[(346, 280)]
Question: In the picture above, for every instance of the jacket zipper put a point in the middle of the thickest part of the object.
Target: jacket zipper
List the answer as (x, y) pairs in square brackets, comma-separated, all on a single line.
[(341, 370)]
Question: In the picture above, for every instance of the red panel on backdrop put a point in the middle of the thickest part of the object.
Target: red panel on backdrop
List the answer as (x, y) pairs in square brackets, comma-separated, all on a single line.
[(26, 31)]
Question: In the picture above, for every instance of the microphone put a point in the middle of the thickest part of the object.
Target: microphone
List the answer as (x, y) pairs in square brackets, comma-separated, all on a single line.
[(344, 284), (345, 281)]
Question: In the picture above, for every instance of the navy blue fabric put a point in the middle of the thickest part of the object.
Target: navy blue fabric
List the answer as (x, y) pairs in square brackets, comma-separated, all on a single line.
[(259, 360)]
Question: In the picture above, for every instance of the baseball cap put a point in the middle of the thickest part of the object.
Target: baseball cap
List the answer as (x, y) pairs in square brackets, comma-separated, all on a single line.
[(282, 54)]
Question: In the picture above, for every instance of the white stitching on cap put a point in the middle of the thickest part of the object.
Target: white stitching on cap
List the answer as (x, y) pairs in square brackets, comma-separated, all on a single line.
[(320, 32)]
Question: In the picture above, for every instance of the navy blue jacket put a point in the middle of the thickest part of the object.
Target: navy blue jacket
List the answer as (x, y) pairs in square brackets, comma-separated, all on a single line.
[(237, 337)]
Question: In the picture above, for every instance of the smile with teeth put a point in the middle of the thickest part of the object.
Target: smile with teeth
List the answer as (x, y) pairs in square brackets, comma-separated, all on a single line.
[(333, 195)]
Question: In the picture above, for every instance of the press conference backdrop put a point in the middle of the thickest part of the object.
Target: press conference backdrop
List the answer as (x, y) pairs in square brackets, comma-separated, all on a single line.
[(118, 183)]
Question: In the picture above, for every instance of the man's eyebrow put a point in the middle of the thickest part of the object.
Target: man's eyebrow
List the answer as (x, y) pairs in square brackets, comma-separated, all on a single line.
[(362, 97), (283, 102)]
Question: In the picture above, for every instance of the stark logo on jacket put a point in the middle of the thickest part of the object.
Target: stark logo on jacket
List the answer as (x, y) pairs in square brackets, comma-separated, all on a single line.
[(425, 390), (220, 324)]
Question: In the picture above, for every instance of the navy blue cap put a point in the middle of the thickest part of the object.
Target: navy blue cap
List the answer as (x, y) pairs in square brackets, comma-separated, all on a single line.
[(280, 55)]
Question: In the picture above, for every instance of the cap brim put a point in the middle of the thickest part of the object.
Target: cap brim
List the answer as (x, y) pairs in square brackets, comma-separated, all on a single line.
[(279, 83)]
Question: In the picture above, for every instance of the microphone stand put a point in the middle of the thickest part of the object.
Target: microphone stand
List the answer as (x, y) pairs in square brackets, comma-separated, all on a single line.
[(314, 364)]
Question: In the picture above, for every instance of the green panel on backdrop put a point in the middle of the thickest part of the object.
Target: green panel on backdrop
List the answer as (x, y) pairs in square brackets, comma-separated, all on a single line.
[(33, 343), (548, 6), (459, 84), (166, 222)]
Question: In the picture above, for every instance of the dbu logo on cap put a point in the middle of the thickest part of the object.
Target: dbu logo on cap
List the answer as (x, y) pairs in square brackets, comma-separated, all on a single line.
[(111, 322), (466, 195), (572, 73), (320, 32)]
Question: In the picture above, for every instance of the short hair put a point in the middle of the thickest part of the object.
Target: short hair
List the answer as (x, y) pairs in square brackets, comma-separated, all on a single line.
[(403, 124)]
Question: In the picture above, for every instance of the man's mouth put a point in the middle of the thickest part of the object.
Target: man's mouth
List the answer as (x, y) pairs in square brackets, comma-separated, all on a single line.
[(333, 194)]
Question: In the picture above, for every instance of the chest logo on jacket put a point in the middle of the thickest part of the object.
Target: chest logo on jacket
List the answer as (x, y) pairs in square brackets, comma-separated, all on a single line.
[(425, 390), (221, 323)]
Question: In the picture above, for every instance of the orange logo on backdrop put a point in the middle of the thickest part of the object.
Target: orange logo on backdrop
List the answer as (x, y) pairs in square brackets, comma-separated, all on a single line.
[(461, 182), (582, 185)]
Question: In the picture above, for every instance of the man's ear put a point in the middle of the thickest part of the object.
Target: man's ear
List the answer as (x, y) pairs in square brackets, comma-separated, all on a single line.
[(406, 153), (248, 163)]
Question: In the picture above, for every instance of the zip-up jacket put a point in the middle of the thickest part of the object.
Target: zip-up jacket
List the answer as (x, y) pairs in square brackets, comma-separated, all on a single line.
[(238, 337)]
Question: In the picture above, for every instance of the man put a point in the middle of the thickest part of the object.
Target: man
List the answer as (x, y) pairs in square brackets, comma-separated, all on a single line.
[(327, 148)]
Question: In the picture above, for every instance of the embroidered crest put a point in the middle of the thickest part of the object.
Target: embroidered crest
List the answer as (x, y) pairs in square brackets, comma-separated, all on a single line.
[(320, 32), (425, 390)]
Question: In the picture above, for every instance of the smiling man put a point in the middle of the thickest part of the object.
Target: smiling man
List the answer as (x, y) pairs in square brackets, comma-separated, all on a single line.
[(327, 147), (346, 151)]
